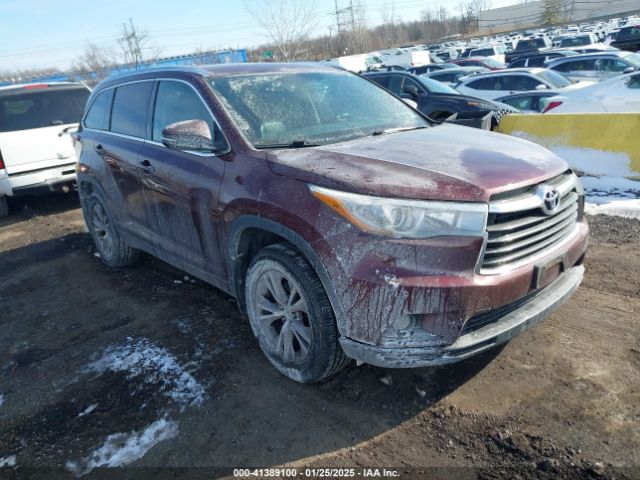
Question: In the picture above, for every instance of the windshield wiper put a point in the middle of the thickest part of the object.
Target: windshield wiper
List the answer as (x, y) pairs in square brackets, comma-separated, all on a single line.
[(294, 144), (394, 130)]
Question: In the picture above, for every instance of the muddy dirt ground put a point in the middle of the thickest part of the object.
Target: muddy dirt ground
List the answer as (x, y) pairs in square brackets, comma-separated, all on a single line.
[(98, 366)]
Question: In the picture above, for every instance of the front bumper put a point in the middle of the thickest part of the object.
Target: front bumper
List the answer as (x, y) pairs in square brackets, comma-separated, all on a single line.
[(44, 180), (472, 343)]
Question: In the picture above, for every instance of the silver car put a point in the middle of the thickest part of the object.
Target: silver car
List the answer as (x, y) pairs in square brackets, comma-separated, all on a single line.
[(596, 66)]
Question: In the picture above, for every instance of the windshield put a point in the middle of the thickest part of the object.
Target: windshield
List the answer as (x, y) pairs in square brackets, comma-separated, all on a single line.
[(297, 109), (633, 59), (435, 86), (554, 78), (629, 33), (482, 52), (23, 109), (530, 44), (576, 41)]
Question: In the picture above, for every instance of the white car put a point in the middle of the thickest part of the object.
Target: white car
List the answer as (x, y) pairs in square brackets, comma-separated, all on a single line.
[(36, 151), (495, 52), (617, 95), (504, 82)]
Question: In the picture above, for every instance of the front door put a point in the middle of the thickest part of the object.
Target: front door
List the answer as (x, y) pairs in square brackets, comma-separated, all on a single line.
[(181, 188)]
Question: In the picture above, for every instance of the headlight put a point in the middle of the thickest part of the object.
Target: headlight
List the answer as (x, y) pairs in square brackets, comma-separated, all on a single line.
[(400, 218)]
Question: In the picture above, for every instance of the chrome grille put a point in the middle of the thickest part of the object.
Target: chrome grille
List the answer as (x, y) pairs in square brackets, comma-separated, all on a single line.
[(518, 228)]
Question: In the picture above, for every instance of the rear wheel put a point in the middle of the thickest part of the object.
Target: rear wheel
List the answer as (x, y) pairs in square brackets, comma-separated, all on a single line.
[(4, 206), (291, 316), (114, 252)]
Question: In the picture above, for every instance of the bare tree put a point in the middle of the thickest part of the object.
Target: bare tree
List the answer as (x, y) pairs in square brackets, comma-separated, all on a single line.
[(287, 23), (95, 59)]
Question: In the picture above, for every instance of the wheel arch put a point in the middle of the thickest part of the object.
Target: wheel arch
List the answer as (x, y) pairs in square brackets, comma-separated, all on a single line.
[(249, 234)]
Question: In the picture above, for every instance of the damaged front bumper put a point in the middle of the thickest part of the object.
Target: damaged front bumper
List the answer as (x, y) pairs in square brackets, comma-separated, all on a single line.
[(504, 328)]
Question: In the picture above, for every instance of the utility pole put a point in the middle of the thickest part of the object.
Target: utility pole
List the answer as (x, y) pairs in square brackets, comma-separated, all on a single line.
[(338, 12)]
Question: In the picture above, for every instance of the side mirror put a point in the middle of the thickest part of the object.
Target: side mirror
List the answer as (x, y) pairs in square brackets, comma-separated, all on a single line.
[(629, 70), (189, 135), (411, 90), (542, 86)]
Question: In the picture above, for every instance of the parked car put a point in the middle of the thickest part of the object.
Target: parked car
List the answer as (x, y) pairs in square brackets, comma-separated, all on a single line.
[(596, 66), (617, 95), (435, 99), (628, 38), (540, 59), (495, 52), (432, 67), (489, 63), (341, 220), (579, 41), (498, 84), (452, 76), (528, 102), (528, 46), (36, 154)]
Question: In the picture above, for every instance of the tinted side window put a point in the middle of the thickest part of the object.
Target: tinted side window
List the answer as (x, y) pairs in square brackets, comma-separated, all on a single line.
[(612, 65), (481, 84), (445, 77), (518, 63), (524, 83), (576, 66), (521, 103), (381, 80), (176, 102), (408, 82), (395, 84), (536, 62), (130, 107), (99, 112)]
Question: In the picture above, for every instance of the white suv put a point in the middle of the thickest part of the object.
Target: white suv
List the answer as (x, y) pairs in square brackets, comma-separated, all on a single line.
[(36, 152)]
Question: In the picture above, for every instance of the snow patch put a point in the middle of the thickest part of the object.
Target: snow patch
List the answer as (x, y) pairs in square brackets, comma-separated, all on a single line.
[(123, 448), (607, 175), (8, 461), (595, 162), (154, 365), (620, 208)]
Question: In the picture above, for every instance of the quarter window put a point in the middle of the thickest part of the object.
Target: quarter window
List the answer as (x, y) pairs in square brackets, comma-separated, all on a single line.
[(130, 107), (99, 112)]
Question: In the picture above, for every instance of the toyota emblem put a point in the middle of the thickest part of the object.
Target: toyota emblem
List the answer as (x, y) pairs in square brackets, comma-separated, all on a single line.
[(550, 200)]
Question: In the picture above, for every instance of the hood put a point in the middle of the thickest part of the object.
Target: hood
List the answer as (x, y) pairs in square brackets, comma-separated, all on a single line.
[(444, 162)]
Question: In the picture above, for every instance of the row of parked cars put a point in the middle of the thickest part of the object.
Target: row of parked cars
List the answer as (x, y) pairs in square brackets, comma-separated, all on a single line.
[(347, 224)]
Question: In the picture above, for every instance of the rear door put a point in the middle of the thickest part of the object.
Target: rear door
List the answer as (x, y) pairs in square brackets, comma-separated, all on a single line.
[(116, 149), (32, 124), (181, 188)]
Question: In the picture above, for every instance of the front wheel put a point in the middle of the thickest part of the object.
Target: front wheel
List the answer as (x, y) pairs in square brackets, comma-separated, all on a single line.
[(291, 316)]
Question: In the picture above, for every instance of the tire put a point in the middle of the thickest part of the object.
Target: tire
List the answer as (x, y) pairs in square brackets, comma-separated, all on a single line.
[(4, 206), (300, 339), (114, 252)]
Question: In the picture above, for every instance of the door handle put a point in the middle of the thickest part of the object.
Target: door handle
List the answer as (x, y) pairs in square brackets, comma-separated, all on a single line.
[(99, 149), (146, 167)]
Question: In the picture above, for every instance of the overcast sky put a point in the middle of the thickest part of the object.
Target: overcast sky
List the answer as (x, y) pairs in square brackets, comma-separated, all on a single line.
[(50, 33)]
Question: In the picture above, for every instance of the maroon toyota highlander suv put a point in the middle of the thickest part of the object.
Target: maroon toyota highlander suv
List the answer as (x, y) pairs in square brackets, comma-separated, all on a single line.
[(344, 223)]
